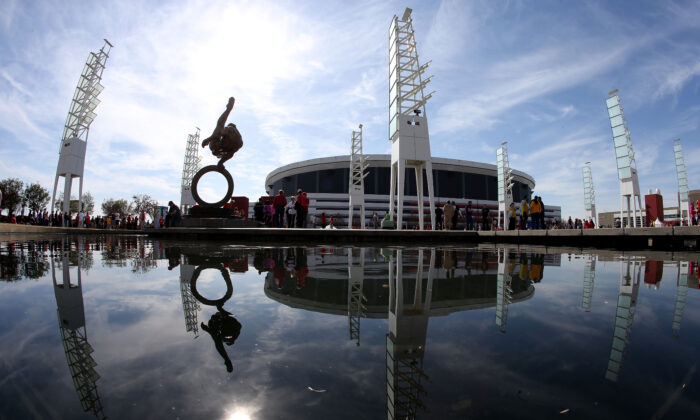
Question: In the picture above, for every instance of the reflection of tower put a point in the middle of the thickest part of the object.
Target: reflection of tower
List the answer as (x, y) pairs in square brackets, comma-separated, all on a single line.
[(189, 169), (405, 343), (589, 194), (626, 165), (190, 305), (504, 290), (681, 297), (356, 300), (408, 129), (71, 322), (505, 185), (71, 155), (588, 282), (630, 272)]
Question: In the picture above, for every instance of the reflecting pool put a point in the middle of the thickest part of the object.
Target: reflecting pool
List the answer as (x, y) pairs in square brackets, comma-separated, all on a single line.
[(132, 327)]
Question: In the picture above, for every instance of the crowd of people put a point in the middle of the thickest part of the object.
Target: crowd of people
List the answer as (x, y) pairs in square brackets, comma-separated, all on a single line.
[(75, 220), (280, 212)]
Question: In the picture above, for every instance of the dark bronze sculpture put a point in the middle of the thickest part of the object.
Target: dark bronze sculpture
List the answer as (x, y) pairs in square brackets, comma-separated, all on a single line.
[(224, 142)]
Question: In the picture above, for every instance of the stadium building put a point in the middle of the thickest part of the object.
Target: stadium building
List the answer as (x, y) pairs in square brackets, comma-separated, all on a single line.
[(326, 182)]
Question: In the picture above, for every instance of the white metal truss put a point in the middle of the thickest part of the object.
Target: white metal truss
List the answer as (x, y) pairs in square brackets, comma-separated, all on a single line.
[(71, 323), (71, 153), (588, 282), (408, 123), (589, 194), (626, 164), (405, 343), (684, 203), (190, 167), (505, 184), (358, 173), (681, 297), (190, 304), (504, 289), (630, 272), (356, 299)]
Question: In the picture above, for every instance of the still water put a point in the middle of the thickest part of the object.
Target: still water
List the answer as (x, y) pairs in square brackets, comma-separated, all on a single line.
[(132, 327)]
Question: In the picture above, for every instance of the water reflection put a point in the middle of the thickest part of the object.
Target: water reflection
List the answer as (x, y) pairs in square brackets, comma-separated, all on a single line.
[(409, 311), (630, 272), (480, 288), (222, 327), (71, 322)]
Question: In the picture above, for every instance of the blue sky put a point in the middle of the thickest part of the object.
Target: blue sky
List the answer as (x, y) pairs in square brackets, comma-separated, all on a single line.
[(305, 74)]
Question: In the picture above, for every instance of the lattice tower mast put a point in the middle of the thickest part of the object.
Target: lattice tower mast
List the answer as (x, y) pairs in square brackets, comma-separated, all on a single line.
[(505, 184), (356, 299), (408, 123), (190, 167), (683, 200), (626, 164), (588, 283), (190, 304), (358, 171), (71, 154), (504, 288), (589, 194)]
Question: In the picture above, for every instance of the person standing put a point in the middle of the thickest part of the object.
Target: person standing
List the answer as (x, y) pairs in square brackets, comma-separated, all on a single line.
[(291, 211), (534, 213), (304, 201), (455, 214), (174, 213), (468, 216), (279, 203), (541, 207), (511, 216), (485, 218), (448, 211), (524, 211), (438, 218)]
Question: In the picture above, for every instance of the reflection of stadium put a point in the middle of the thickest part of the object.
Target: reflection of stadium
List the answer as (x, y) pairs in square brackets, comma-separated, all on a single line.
[(326, 182), (463, 280)]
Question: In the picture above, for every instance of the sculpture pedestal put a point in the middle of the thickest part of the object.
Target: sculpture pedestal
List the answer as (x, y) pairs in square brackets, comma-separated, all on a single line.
[(210, 212)]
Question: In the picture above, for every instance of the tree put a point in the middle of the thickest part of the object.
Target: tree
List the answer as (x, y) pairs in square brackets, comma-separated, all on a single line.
[(111, 206), (11, 194), (88, 203), (144, 202), (35, 197)]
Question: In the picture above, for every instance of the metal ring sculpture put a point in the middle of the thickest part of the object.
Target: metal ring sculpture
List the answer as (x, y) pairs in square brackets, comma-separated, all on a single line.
[(212, 302), (205, 170)]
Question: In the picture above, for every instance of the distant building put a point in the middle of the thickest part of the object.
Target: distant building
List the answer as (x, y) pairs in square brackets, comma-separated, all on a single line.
[(326, 182)]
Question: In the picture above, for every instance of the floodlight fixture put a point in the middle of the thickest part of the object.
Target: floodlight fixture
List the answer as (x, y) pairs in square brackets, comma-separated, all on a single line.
[(612, 92), (406, 14)]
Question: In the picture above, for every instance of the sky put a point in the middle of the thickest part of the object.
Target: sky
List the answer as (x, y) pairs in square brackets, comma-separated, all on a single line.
[(306, 73)]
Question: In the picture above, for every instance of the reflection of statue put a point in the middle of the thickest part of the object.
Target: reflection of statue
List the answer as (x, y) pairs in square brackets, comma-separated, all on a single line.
[(224, 141), (223, 328)]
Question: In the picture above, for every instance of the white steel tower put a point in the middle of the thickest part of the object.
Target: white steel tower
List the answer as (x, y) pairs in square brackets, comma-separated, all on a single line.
[(626, 165), (588, 283), (682, 182), (505, 184), (681, 297), (408, 123), (504, 287), (358, 172), (71, 155), (189, 169), (589, 194)]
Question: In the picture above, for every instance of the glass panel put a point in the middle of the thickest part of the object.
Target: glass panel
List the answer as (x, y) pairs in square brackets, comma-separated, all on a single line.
[(618, 131), (620, 141), (621, 151), (614, 111), (615, 121), (393, 126), (392, 109), (611, 102), (392, 92), (624, 173), (623, 162)]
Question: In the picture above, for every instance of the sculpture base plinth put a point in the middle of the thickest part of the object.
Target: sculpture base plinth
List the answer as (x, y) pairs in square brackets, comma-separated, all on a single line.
[(218, 222), (210, 212)]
